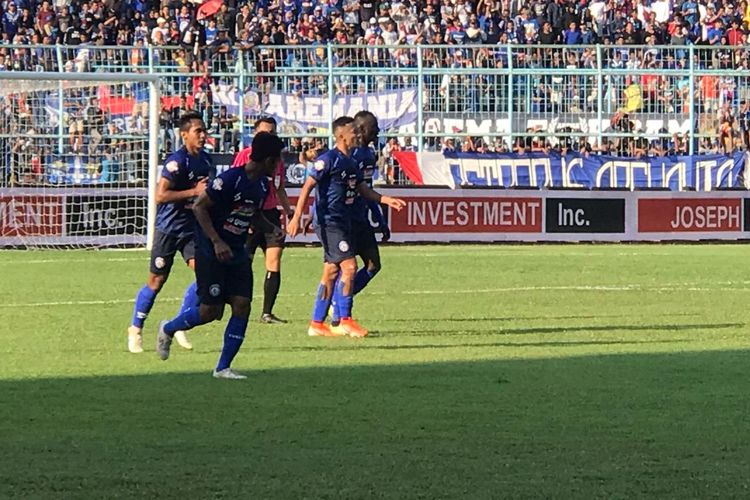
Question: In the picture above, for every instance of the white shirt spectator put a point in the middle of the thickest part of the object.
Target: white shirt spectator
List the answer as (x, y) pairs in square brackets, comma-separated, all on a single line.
[(663, 10)]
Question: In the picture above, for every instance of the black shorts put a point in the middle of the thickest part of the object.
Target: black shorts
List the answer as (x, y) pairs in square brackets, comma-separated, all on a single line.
[(364, 240), (337, 244), (267, 240), (164, 249), (218, 281)]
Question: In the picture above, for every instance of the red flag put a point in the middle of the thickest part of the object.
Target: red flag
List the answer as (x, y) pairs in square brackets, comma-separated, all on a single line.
[(209, 8), (409, 163)]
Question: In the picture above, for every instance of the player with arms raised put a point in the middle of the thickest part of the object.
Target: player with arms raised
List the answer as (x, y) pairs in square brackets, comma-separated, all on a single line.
[(272, 243), (225, 211), (338, 182), (183, 178)]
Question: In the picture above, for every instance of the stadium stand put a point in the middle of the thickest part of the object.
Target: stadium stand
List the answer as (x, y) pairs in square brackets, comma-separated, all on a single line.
[(677, 70)]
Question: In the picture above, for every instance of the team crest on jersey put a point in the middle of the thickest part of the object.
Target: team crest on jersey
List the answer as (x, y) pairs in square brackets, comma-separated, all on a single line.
[(319, 165), (173, 166), (217, 184), (343, 246), (159, 263), (214, 290)]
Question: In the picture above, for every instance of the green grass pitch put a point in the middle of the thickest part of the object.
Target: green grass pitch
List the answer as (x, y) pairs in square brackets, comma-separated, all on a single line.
[(562, 371)]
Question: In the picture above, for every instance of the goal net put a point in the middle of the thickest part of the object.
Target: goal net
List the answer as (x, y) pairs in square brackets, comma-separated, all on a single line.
[(77, 154)]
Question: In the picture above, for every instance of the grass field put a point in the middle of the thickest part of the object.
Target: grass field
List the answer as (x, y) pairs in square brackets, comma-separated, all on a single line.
[(586, 371)]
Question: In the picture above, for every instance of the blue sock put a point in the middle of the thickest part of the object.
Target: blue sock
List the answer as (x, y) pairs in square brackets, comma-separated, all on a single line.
[(344, 302), (233, 337), (361, 279), (144, 301), (320, 308), (335, 316), (184, 321), (191, 298)]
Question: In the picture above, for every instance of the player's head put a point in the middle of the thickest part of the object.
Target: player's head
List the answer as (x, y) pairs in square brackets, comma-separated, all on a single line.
[(266, 152), (192, 130), (265, 124), (366, 127), (343, 131)]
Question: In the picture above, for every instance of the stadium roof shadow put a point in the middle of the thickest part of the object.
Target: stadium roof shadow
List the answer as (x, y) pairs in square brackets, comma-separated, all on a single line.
[(636, 425)]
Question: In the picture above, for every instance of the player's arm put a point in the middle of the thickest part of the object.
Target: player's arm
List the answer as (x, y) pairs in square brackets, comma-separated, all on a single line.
[(283, 198), (263, 225), (165, 193), (200, 209), (373, 196), (380, 218), (292, 228)]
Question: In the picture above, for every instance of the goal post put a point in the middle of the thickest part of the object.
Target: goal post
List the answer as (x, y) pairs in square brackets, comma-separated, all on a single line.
[(79, 155)]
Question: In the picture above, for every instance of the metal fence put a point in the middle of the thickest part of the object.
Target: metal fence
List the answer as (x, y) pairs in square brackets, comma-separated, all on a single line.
[(625, 100)]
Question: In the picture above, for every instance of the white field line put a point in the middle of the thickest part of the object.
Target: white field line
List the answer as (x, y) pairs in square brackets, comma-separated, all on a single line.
[(684, 287)]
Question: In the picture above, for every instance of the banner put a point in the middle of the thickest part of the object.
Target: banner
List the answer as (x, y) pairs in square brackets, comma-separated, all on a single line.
[(581, 215), (105, 215), (393, 109), (689, 215), (539, 170), (30, 215)]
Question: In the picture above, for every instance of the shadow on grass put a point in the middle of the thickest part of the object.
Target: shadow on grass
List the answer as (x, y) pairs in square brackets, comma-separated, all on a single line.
[(355, 345), (561, 329), (621, 426), (526, 318)]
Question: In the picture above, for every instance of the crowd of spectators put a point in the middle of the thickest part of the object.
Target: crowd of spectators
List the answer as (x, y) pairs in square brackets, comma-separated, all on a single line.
[(244, 24), (209, 41)]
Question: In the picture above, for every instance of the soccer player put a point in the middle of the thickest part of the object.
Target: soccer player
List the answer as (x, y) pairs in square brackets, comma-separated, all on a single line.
[(184, 177), (225, 211), (338, 181), (272, 243), (366, 246)]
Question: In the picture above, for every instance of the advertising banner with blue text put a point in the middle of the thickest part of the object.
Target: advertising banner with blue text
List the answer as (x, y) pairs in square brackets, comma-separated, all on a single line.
[(540, 170)]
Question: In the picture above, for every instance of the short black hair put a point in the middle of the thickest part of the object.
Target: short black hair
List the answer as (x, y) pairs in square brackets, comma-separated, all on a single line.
[(266, 145), (265, 119), (341, 121), (188, 118)]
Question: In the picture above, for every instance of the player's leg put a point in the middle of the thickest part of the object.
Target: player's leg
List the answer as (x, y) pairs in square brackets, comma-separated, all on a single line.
[(340, 251), (345, 299), (162, 257), (190, 298), (273, 246), (322, 302), (368, 251), (239, 292), (366, 247), (210, 277)]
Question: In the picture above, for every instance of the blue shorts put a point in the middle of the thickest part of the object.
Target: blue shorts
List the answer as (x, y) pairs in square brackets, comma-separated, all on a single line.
[(363, 236), (337, 244), (164, 249), (218, 281)]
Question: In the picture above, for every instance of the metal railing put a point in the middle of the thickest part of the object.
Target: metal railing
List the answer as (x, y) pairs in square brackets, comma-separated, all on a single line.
[(610, 98)]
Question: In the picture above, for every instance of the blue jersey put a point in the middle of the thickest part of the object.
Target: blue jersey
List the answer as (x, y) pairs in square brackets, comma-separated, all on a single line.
[(183, 172), (237, 199), (337, 178), (366, 162)]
